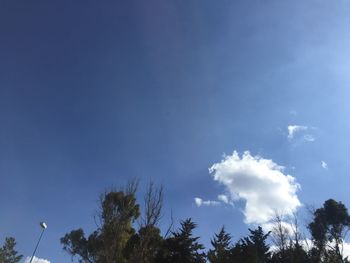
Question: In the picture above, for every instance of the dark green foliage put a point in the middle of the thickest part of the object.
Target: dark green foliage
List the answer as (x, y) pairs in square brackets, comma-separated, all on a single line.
[(221, 252), (294, 253), (182, 246), (144, 246), (107, 243), (75, 243), (252, 249), (329, 224), (8, 254)]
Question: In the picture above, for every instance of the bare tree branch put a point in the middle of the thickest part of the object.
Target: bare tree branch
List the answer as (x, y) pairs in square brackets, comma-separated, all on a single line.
[(153, 201)]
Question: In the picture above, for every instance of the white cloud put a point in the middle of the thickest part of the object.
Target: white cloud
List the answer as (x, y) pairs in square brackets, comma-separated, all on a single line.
[(200, 202), (224, 198), (346, 249), (309, 138), (260, 182), (221, 199), (301, 133), (36, 260), (324, 165), (293, 129)]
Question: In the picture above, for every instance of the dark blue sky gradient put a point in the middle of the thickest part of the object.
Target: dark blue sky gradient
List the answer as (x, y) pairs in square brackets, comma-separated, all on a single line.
[(93, 93)]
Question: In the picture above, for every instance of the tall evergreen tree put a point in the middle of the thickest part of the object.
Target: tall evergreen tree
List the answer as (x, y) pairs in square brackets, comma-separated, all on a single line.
[(294, 253), (182, 246), (8, 254), (221, 248), (252, 249)]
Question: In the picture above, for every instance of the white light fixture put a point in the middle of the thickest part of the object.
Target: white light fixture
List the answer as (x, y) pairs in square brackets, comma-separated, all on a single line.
[(43, 225)]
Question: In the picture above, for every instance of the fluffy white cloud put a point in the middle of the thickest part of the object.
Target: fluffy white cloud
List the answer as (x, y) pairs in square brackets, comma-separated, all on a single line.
[(200, 202), (293, 129), (324, 165), (36, 260), (260, 182)]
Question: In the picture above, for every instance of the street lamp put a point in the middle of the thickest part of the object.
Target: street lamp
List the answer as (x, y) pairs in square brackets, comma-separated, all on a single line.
[(43, 226)]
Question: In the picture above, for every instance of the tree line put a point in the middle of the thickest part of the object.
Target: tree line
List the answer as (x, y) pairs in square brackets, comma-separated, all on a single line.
[(125, 234)]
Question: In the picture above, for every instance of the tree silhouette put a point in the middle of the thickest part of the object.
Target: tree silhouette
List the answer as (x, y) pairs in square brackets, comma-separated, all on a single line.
[(8, 254), (182, 246), (144, 246), (252, 249), (221, 248), (106, 244), (329, 226)]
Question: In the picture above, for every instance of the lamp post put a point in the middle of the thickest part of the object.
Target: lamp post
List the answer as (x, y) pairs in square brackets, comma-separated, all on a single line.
[(43, 226)]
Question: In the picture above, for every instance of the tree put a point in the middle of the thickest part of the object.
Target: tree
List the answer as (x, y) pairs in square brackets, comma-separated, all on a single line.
[(221, 248), (107, 244), (286, 238), (252, 249), (153, 202), (182, 246), (328, 228), (280, 234), (144, 245), (8, 254), (293, 253)]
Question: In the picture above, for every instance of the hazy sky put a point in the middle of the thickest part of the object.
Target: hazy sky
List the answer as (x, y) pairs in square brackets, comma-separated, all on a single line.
[(95, 92)]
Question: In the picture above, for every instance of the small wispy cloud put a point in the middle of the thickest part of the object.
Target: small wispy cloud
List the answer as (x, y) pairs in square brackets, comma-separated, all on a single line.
[(324, 165), (301, 133), (36, 260), (200, 202), (293, 129), (224, 198), (309, 138)]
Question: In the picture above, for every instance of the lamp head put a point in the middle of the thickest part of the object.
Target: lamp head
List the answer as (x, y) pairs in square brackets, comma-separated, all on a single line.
[(43, 225)]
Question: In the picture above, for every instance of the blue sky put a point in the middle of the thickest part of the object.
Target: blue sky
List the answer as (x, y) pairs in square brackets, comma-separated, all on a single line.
[(95, 92)]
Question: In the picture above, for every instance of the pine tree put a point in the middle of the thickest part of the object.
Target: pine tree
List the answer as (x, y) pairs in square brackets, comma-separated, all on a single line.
[(8, 254), (252, 249), (221, 248), (182, 246)]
